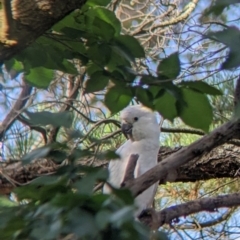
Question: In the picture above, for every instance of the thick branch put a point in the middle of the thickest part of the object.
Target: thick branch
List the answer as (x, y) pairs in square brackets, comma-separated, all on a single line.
[(32, 18), (204, 145), (222, 162), (167, 215)]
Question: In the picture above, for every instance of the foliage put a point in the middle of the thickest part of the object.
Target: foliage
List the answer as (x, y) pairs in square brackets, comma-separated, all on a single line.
[(93, 36), (94, 41)]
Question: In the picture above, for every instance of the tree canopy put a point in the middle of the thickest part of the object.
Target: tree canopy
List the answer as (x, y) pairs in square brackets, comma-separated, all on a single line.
[(69, 68)]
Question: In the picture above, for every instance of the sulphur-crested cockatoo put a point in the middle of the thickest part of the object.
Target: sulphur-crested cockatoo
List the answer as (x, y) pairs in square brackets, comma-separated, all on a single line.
[(140, 125)]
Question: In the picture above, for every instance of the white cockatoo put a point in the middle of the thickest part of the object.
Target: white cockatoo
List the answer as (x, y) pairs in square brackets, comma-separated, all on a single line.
[(140, 125)]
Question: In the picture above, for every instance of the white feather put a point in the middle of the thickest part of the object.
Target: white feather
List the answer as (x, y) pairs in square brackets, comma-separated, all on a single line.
[(145, 143)]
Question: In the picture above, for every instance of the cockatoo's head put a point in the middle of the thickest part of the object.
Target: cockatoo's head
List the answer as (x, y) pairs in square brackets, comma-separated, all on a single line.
[(139, 122)]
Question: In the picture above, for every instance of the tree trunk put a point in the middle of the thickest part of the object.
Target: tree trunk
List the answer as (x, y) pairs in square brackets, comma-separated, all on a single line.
[(29, 20)]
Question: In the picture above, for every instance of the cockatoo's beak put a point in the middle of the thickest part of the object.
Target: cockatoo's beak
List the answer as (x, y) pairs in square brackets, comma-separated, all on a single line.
[(127, 130)]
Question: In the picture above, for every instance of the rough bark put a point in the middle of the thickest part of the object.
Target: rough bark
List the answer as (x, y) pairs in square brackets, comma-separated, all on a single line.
[(207, 143), (222, 162), (167, 215), (32, 18)]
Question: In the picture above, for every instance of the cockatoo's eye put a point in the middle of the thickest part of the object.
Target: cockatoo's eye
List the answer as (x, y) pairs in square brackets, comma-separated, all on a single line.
[(135, 119)]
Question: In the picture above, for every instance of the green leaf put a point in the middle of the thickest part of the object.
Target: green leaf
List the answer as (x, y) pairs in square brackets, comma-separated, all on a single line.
[(147, 79), (69, 67), (107, 16), (99, 54), (124, 194), (117, 98), (36, 154), (130, 45), (103, 218), (166, 106), (123, 215), (169, 67), (39, 77), (197, 112), (97, 82), (60, 119), (159, 235), (69, 26), (124, 53), (144, 96), (171, 88), (219, 6), (6, 202), (108, 155), (201, 87), (80, 217), (116, 62), (103, 29), (14, 67), (86, 184), (92, 68), (33, 56), (45, 180), (232, 60), (228, 36), (98, 2)]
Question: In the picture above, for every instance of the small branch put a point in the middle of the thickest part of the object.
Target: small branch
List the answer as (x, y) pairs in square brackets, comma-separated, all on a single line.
[(129, 174), (36, 128), (167, 215), (73, 93), (16, 109), (183, 130)]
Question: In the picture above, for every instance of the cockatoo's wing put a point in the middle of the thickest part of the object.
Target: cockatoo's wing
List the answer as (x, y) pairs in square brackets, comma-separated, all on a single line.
[(117, 167)]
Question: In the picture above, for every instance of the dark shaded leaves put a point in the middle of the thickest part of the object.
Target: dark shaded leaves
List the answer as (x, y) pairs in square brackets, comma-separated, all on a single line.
[(117, 98), (166, 106), (169, 67), (201, 87), (197, 111), (98, 81), (44, 118)]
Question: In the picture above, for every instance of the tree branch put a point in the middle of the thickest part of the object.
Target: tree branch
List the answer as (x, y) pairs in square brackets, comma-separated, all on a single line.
[(15, 111), (73, 93), (41, 130), (167, 215), (208, 142), (33, 18)]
